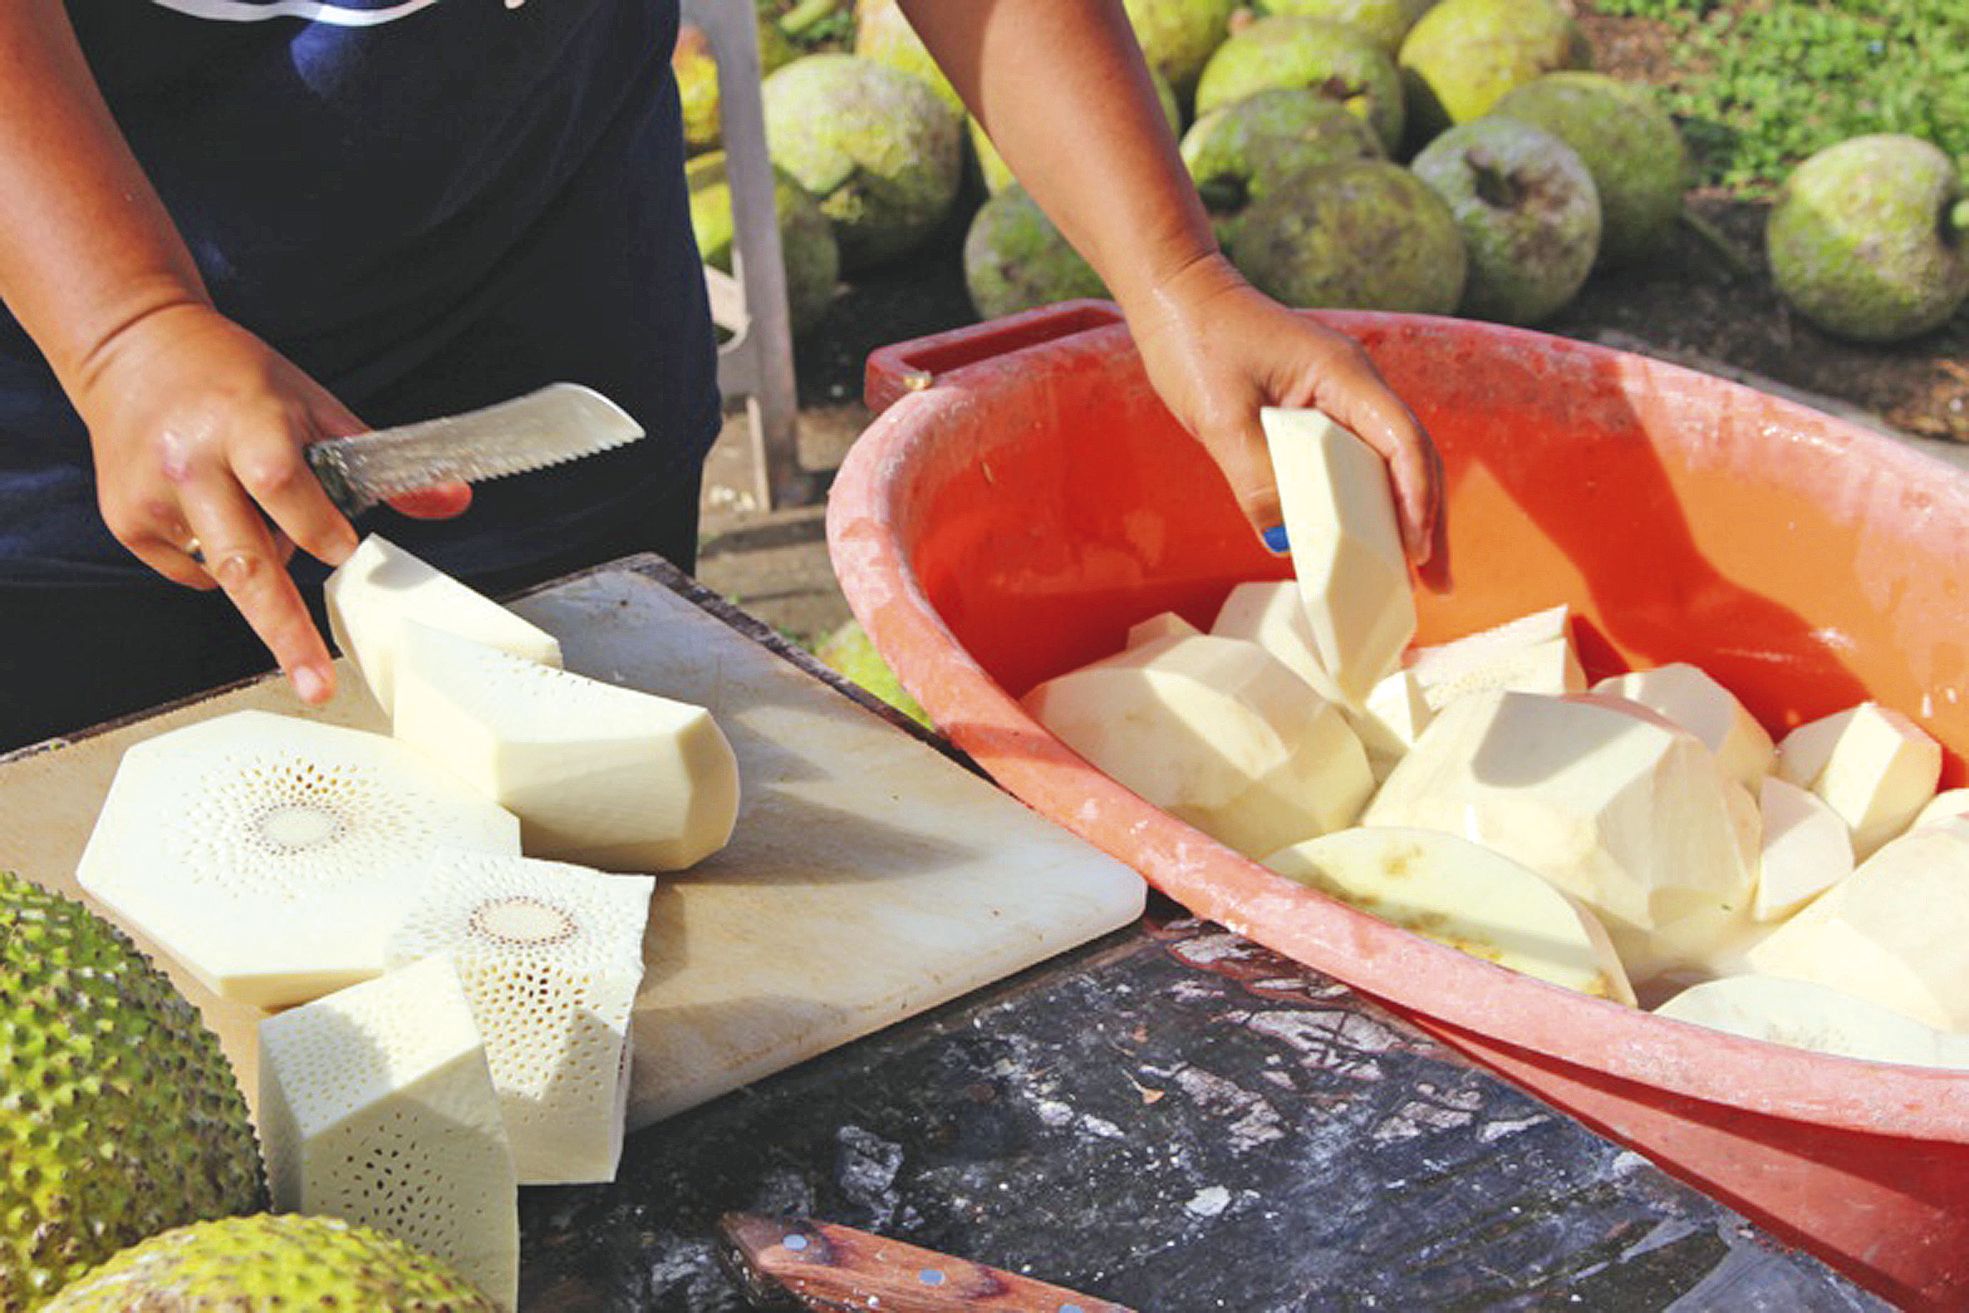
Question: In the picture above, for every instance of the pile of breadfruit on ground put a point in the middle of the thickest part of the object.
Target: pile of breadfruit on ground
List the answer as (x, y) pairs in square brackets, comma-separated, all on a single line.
[(1428, 156)]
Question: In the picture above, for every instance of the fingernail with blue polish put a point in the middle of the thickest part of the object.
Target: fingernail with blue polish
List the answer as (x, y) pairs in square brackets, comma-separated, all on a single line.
[(1276, 540)]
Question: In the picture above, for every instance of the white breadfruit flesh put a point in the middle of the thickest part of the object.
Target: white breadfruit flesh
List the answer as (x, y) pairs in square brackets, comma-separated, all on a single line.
[(377, 1107), (1876, 767), (1273, 615), (1339, 510), (551, 956), (1689, 697), (1550, 667), (1393, 718), (1622, 811), (1948, 805), (1807, 849), (1816, 1017), (1217, 732), (270, 855), (1467, 897), (1895, 932), (1440, 663), (1166, 625), (379, 587), (598, 774)]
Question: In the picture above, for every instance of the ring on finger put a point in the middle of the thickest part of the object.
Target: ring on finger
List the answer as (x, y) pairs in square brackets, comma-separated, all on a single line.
[(194, 550)]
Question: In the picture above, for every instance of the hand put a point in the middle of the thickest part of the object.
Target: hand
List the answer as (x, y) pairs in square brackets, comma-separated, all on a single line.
[(1217, 350), (198, 428)]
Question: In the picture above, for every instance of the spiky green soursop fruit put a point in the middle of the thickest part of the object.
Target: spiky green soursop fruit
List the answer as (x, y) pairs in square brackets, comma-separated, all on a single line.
[(1464, 55), (998, 174), (1331, 58), (877, 148), (1386, 22), (119, 1117), (270, 1261), (883, 34), (1239, 153), (1870, 239), (1529, 214), (806, 239), (1627, 142), (850, 653), (1365, 235), (1015, 259), (1179, 36)]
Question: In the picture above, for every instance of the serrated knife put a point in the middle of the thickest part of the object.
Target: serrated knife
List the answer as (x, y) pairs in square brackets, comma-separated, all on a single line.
[(559, 423)]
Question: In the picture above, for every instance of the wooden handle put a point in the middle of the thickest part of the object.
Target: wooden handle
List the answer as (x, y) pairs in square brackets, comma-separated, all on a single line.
[(835, 1269)]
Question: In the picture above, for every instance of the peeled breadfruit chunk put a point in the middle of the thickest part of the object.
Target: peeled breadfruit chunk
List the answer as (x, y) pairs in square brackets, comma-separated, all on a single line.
[(377, 1107), (1272, 614), (378, 588), (1166, 625), (1441, 663), (1627, 814), (270, 855), (597, 774), (1217, 732), (1396, 713), (1550, 668), (1339, 510), (1812, 1016), (550, 956), (1875, 766), (1807, 849), (1692, 699), (1895, 932), (1468, 897), (1948, 805)]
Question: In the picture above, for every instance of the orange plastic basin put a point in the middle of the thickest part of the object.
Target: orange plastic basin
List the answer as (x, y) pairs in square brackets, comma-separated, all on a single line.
[(1024, 498)]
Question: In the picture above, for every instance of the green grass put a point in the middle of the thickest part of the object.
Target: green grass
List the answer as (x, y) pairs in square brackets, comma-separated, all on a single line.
[(1768, 83)]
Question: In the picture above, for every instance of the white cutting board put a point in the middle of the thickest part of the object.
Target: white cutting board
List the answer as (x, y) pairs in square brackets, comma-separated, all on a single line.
[(869, 879)]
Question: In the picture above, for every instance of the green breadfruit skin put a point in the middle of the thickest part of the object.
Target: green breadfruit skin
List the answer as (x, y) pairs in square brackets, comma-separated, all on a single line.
[(1628, 143), (1365, 235), (119, 1116), (1239, 153), (1385, 22), (875, 147), (997, 173), (272, 1262), (850, 653), (806, 239), (697, 79), (1528, 211), (883, 34), (1464, 56), (1869, 239), (1015, 259), (1179, 36), (1290, 51)]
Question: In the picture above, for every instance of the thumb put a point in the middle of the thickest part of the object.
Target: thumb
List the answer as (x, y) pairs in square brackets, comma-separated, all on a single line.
[(1246, 463)]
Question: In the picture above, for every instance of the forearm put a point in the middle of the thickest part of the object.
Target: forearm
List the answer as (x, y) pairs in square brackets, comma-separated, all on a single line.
[(86, 247), (1066, 98)]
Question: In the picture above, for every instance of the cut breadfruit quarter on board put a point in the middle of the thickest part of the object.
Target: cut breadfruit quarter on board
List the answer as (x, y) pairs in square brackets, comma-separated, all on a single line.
[(1624, 812), (381, 586), (1467, 897), (1218, 733), (1272, 614), (271, 855), (377, 1106), (1339, 511), (1689, 697), (1166, 625), (1948, 805), (1813, 1016), (598, 774), (1807, 849), (551, 956), (1876, 767), (1895, 932)]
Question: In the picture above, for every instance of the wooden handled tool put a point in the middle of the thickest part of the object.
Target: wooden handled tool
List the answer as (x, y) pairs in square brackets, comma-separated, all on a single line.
[(835, 1269)]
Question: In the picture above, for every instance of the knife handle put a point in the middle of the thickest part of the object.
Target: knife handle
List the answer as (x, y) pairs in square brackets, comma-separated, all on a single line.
[(324, 460), (829, 1267)]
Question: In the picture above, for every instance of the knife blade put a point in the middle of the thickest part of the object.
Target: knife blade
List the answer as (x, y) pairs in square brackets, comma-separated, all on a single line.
[(559, 423)]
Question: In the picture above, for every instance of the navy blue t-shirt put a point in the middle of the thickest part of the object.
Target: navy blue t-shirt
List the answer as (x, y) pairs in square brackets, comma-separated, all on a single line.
[(428, 205)]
